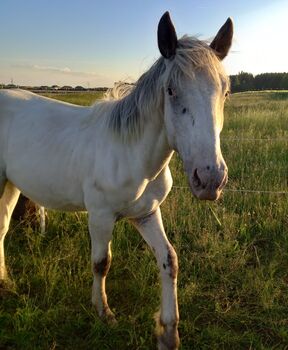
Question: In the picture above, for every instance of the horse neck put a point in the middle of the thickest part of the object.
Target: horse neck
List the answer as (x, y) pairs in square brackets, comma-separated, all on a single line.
[(152, 147)]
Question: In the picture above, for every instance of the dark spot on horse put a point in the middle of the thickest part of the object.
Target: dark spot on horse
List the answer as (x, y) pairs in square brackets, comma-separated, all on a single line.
[(172, 262), (98, 186), (164, 266), (103, 266), (184, 110), (208, 167)]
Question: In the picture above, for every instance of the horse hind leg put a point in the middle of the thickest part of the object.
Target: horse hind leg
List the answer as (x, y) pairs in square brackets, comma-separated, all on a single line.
[(8, 201), (26, 209)]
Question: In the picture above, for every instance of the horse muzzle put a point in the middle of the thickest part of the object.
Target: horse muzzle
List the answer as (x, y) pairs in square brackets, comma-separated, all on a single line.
[(206, 183)]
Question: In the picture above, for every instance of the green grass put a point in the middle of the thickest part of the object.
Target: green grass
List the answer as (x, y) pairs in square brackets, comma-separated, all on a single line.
[(233, 257), (79, 98)]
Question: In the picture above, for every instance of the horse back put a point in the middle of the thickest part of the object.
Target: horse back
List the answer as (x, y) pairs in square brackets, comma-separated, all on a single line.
[(38, 137)]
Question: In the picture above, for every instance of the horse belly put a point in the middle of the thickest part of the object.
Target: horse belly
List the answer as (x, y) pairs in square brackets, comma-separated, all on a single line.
[(47, 181), (50, 195)]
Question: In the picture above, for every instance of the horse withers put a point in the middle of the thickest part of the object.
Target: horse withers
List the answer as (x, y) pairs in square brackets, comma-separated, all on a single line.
[(112, 159)]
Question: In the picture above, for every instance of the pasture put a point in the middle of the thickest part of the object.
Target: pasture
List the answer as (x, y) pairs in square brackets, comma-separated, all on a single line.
[(233, 256)]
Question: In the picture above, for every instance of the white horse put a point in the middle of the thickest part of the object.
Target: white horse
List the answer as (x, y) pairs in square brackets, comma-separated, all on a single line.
[(112, 159)]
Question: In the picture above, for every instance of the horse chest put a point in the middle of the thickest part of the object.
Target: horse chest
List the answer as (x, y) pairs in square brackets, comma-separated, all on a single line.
[(151, 195)]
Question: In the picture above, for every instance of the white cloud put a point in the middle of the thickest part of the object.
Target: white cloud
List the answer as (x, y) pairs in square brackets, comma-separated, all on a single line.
[(68, 71), (48, 68), (37, 74)]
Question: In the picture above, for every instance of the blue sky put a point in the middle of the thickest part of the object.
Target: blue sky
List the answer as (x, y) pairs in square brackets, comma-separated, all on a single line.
[(94, 43)]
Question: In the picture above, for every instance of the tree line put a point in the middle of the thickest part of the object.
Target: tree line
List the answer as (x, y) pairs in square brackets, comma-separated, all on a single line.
[(266, 81)]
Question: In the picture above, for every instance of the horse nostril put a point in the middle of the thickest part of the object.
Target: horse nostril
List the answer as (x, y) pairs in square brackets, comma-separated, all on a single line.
[(196, 179)]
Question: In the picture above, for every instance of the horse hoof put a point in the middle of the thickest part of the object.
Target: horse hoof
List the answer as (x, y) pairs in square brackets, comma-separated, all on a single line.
[(6, 287), (163, 344), (109, 317), (111, 320)]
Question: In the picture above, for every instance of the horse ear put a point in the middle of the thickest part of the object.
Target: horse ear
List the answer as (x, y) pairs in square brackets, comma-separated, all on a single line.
[(167, 38), (223, 40)]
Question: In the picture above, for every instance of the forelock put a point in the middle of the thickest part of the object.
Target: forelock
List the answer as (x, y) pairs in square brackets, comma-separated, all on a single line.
[(193, 55)]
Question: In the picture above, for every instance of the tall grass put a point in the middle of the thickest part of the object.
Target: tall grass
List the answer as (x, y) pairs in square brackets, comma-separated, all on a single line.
[(233, 257)]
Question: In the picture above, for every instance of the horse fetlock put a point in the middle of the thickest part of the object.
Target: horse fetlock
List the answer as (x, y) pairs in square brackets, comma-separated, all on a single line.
[(168, 337), (167, 334), (3, 276)]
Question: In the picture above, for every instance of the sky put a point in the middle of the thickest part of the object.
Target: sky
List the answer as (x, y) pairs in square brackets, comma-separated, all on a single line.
[(95, 43)]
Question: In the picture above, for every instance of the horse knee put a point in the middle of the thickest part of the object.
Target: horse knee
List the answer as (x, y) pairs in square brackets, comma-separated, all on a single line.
[(3, 181), (4, 225), (102, 266), (3, 231)]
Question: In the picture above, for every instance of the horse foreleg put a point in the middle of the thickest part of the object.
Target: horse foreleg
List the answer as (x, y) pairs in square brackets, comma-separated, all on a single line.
[(7, 204), (152, 230), (100, 228)]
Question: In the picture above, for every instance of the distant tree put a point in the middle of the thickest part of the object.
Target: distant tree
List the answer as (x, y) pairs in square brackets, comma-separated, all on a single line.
[(284, 82), (242, 82), (79, 88), (66, 88), (266, 81)]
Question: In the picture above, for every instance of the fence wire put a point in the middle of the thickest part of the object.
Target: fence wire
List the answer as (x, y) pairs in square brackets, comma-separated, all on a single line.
[(238, 190), (244, 190), (268, 139)]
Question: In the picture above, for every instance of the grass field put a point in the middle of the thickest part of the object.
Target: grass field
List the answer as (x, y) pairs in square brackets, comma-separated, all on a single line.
[(233, 256)]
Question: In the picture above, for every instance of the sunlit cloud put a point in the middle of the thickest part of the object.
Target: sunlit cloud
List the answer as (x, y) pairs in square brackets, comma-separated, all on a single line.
[(51, 74), (64, 70), (49, 68)]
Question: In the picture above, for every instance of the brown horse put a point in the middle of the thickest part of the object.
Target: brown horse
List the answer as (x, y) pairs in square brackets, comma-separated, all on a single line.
[(25, 209)]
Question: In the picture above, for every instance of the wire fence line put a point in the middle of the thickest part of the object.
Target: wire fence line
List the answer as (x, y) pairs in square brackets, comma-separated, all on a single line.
[(248, 190), (271, 139), (239, 190)]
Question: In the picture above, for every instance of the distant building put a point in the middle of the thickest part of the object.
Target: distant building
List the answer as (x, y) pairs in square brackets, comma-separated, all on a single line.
[(11, 86)]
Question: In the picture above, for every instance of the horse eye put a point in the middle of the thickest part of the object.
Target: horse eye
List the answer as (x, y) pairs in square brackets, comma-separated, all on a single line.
[(170, 91), (227, 93)]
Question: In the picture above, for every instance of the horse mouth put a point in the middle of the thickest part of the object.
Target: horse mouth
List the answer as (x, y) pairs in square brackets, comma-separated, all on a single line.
[(203, 194), (210, 192)]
